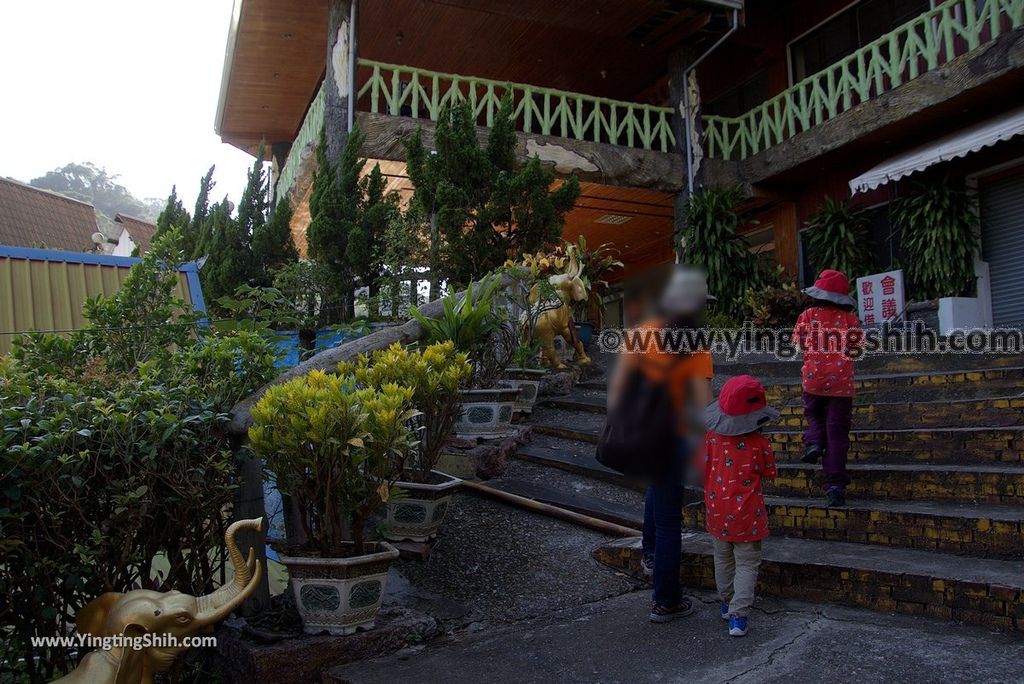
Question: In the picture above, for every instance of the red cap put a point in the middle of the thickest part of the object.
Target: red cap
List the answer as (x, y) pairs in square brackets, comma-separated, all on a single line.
[(833, 281), (742, 395)]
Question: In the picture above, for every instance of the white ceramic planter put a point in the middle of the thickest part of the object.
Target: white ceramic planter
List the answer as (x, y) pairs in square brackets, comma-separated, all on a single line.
[(417, 514), (486, 413), (339, 595), (527, 380)]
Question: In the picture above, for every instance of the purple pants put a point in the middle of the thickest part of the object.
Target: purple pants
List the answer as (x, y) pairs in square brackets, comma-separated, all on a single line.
[(828, 425)]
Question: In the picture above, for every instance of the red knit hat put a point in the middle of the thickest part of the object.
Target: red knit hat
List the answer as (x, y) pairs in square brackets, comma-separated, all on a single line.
[(741, 407), (831, 286)]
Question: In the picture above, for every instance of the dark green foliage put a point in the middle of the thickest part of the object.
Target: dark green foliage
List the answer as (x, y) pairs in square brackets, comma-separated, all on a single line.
[(192, 236), (936, 224), (365, 250), (229, 262), (113, 451), (272, 245), (483, 208), (839, 237), (711, 242), (334, 207), (89, 183), (173, 216)]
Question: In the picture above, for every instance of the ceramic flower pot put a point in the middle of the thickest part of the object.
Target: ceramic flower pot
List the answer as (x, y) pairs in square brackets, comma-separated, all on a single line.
[(528, 382), (486, 413), (339, 595), (417, 513)]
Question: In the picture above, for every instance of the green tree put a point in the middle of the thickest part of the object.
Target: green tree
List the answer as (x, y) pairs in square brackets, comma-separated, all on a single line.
[(334, 206), (90, 183), (365, 249), (174, 215), (480, 209), (272, 245), (192, 236)]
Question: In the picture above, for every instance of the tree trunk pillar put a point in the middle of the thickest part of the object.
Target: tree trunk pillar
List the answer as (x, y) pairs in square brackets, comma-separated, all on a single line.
[(684, 89), (338, 79)]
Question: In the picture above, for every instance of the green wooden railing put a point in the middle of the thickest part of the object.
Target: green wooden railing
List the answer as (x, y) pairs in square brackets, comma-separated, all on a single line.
[(407, 91), (304, 145), (921, 45)]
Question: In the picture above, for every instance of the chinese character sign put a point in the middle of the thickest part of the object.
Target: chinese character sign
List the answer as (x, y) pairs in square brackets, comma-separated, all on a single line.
[(880, 297)]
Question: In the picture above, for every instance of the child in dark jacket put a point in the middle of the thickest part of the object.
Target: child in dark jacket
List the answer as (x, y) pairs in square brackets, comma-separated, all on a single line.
[(738, 456), (827, 332)]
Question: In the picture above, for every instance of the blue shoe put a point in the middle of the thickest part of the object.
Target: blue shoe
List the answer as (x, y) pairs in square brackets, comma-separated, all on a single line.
[(737, 626), (725, 610)]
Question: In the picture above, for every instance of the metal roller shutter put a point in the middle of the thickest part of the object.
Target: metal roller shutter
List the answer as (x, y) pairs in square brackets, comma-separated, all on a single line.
[(1002, 244)]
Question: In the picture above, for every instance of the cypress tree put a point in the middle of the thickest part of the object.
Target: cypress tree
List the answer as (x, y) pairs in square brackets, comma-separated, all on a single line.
[(193, 236), (174, 215), (377, 209), (272, 245)]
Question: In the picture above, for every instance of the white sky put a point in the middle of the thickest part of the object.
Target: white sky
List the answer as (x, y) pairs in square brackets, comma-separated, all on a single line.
[(130, 85)]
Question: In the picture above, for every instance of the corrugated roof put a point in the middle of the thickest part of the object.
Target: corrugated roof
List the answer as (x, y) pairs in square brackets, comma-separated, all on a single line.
[(140, 231), (44, 290), (33, 217)]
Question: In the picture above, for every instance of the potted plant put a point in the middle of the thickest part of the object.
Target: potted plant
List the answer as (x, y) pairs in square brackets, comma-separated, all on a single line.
[(484, 332), (594, 267), (435, 375), (336, 450)]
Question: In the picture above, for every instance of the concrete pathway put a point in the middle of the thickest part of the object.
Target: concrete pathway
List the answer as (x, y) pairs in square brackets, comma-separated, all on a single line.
[(611, 640)]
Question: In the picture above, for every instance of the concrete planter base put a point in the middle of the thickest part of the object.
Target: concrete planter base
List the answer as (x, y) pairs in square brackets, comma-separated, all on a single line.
[(339, 595), (486, 414), (527, 381), (417, 514)]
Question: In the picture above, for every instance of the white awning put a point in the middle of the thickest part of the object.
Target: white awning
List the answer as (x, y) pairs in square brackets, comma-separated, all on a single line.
[(959, 144)]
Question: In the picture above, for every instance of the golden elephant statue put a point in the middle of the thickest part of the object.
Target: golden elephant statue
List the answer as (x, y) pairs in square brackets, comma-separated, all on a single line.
[(165, 619), (557, 322)]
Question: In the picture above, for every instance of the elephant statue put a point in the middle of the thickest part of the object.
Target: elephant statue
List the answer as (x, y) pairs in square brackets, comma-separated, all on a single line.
[(159, 617), (557, 321)]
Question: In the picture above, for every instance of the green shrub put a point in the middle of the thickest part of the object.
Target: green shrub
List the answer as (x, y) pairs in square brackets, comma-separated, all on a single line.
[(937, 224), (435, 375), (839, 237), (710, 242), (336, 449), (113, 453), (776, 304)]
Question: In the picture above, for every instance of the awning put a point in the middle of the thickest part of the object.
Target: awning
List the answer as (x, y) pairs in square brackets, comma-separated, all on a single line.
[(954, 146)]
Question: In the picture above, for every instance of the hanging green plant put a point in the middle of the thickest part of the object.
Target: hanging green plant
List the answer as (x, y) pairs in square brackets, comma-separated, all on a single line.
[(839, 237), (936, 223), (711, 217)]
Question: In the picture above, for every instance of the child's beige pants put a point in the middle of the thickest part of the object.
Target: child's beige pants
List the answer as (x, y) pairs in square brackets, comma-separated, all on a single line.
[(736, 566)]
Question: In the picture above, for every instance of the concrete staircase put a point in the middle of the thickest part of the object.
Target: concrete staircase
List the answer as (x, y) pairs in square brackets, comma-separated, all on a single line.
[(935, 521)]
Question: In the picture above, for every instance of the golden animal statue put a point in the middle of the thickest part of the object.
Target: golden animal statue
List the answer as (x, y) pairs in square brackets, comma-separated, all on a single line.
[(557, 321), (165, 619)]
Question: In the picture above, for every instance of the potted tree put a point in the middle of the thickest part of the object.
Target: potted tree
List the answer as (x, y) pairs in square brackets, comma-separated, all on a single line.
[(484, 332), (336, 450), (417, 509)]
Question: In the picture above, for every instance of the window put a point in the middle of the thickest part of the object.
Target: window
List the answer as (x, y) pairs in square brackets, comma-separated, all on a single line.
[(849, 31), (741, 99)]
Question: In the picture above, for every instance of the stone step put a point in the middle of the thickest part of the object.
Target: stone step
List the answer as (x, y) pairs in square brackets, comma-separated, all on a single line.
[(979, 591), (983, 530), (991, 484), (970, 445), (986, 412), (962, 446), (770, 366), (964, 383)]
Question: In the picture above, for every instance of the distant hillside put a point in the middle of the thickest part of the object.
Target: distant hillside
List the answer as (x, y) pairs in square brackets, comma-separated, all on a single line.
[(92, 184)]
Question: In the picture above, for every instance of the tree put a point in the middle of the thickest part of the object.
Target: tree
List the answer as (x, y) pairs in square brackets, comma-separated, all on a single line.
[(173, 216), (377, 208), (480, 208), (192, 237), (90, 183), (272, 245), (334, 204)]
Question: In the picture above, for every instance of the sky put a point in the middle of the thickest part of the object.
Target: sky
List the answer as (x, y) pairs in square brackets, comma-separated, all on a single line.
[(130, 85)]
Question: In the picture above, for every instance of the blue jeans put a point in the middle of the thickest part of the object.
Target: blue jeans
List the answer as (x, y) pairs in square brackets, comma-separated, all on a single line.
[(663, 528)]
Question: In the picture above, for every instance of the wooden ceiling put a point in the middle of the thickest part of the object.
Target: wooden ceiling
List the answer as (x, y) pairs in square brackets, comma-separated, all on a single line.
[(608, 48)]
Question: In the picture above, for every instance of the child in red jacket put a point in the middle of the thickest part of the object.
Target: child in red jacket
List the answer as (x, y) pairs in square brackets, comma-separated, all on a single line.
[(827, 332), (738, 456)]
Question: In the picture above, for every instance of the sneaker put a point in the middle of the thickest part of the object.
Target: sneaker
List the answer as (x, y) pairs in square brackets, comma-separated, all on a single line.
[(737, 626), (660, 613), (725, 610), (835, 497), (812, 453), (647, 565)]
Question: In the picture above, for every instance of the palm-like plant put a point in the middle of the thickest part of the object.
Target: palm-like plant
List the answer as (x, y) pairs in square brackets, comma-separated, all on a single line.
[(839, 237)]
